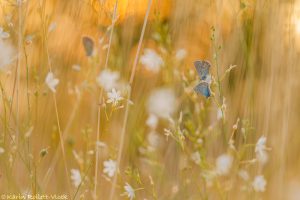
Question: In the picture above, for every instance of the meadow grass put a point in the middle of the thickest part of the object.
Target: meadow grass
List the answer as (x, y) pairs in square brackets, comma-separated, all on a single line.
[(98, 99)]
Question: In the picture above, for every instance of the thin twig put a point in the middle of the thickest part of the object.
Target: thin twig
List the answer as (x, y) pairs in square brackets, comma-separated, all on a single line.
[(99, 102), (56, 154), (18, 69), (121, 145), (54, 99)]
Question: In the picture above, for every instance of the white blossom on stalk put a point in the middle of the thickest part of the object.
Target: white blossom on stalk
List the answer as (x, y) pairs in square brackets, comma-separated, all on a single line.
[(114, 97), (261, 150), (108, 79), (3, 34), (129, 191), (7, 54), (76, 67), (196, 157), (162, 103), (152, 121), (1, 150), (243, 174), (200, 141), (261, 144), (100, 144), (219, 114), (223, 164), (180, 54), (221, 110), (75, 177), (52, 26), (151, 60), (154, 139), (110, 167), (259, 184), (51, 81)]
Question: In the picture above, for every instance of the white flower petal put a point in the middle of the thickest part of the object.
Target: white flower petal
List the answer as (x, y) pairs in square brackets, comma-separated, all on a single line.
[(162, 103), (75, 177), (51, 81), (110, 167), (180, 54), (223, 164), (108, 79), (151, 60), (129, 191), (1, 150), (259, 184)]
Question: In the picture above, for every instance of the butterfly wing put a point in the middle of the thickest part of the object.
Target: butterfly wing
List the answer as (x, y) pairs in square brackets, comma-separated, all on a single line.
[(202, 68), (203, 88), (88, 45)]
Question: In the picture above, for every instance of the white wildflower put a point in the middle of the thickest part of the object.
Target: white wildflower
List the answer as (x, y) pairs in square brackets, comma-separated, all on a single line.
[(175, 189), (223, 164), (151, 60), (110, 167), (114, 97), (78, 157), (261, 145), (1, 150), (129, 191), (29, 132), (231, 144), (100, 144), (90, 152), (243, 174), (209, 177), (196, 157), (76, 67), (7, 54), (19, 2), (51, 81), (3, 34), (108, 79), (200, 141), (219, 114), (154, 139), (180, 54), (262, 157), (152, 121), (259, 184), (29, 39), (104, 47), (75, 177), (235, 126), (162, 103), (261, 150), (10, 159), (52, 26), (221, 110)]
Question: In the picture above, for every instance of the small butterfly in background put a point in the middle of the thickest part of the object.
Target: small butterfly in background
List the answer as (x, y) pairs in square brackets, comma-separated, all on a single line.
[(88, 44), (202, 68)]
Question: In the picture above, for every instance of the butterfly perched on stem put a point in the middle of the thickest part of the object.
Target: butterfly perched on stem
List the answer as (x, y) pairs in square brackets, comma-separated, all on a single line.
[(88, 45), (202, 68)]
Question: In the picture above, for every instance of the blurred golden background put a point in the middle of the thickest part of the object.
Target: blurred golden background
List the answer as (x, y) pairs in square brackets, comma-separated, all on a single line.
[(262, 38)]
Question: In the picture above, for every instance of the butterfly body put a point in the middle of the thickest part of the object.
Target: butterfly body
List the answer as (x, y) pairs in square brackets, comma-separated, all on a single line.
[(202, 68)]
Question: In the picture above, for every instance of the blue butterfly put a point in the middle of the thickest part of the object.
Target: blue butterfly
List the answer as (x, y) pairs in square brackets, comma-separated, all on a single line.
[(202, 68), (88, 45)]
